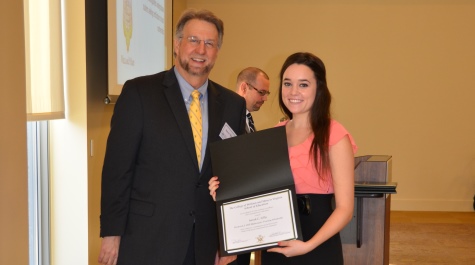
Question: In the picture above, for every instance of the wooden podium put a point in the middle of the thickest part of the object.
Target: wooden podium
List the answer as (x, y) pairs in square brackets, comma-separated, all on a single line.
[(366, 238)]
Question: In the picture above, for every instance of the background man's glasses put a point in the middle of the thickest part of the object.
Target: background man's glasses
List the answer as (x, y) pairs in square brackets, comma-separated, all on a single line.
[(261, 92)]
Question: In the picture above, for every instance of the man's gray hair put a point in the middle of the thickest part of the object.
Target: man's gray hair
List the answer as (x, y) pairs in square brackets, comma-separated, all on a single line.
[(203, 14)]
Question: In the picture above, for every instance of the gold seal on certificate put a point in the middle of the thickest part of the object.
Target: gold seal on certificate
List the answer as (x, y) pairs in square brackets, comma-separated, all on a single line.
[(256, 203)]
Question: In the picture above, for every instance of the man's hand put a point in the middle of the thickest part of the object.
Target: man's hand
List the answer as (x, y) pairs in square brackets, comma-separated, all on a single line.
[(109, 250), (224, 260)]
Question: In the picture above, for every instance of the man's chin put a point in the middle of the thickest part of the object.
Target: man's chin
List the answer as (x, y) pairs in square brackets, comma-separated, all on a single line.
[(199, 71), (258, 107)]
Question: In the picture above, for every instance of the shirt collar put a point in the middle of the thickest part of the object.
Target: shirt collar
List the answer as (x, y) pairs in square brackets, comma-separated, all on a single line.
[(186, 88)]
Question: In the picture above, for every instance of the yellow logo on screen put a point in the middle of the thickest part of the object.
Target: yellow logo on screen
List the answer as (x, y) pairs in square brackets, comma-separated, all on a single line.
[(127, 22)]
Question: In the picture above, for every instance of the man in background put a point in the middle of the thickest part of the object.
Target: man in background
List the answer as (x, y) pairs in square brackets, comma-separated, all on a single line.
[(253, 85)]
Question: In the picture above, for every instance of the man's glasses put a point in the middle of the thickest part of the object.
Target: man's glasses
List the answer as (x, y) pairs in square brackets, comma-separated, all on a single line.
[(195, 42), (261, 92)]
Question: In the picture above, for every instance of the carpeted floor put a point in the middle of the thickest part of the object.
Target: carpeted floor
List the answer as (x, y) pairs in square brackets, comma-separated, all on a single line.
[(431, 238), (436, 239)]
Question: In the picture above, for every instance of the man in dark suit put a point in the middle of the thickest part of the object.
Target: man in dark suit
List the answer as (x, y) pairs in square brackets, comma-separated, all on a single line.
[(253, 85), (155, 205)]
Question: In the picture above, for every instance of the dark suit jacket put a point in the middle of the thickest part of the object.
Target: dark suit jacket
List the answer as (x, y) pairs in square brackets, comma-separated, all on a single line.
[(152, 191)]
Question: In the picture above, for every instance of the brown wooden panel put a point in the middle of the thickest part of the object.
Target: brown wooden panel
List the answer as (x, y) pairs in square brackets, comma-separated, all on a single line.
[(375, 215)]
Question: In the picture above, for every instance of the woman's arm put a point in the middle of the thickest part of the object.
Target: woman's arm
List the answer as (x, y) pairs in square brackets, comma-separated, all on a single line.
[(213, 186), (342, 164), (342, 168)]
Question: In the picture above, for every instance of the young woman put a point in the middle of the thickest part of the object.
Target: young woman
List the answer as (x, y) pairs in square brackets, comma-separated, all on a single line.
[(322, 161)]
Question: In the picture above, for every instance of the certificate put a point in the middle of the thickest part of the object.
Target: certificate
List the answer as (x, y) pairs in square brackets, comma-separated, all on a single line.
[(259, 221), (256, 202)]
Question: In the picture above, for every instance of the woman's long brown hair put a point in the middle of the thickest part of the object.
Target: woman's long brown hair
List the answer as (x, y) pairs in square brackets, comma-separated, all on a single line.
[(320, 117)]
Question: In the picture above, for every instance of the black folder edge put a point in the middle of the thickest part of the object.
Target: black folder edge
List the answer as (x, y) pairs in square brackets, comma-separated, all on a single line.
[(258, 147)]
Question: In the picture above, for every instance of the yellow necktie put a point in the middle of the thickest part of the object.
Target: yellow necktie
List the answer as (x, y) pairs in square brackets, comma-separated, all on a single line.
[(196, 123)]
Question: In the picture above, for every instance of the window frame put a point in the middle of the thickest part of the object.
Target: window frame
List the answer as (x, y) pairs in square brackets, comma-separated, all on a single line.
[(38, 193)]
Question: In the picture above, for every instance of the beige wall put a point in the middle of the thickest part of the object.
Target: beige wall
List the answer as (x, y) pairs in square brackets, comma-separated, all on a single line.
[(13, 159), (401, 76)]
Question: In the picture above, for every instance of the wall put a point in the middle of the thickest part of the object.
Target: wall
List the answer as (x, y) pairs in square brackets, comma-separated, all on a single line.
[(401, 76), (99, 114), (13, 150), (69, 150)]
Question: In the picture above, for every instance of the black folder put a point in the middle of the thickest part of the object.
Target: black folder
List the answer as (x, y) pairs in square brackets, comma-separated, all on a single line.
[(250, 165)]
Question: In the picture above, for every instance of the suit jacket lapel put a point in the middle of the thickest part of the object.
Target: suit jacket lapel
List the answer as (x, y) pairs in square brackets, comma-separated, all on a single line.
[(215, 117), (177, 105)]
